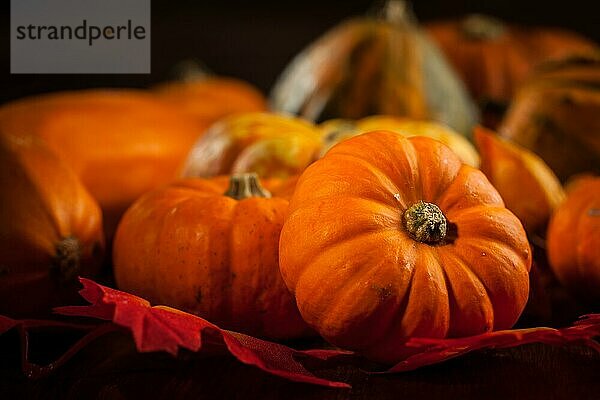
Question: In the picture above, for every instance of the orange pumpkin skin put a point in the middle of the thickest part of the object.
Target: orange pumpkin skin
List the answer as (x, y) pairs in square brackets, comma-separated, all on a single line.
[(493, 58), (50, 229), (211, 98), (573, 239), (121, 143), (189, 246), (364, 283)]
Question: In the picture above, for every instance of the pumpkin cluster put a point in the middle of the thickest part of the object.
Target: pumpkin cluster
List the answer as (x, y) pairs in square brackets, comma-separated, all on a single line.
[(367, 201)]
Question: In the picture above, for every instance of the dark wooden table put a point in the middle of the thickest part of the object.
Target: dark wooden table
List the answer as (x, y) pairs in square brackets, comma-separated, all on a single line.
[(110, 368)]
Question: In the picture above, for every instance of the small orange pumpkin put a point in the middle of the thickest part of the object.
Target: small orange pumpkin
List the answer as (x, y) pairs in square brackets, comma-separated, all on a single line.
[(573, 239), (50, 229), (210, 250), (388, 237)]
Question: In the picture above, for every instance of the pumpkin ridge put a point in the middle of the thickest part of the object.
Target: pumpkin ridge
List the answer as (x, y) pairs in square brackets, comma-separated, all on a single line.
[(379, 137), (461, 214), (396, 327), (330, 248), (508, 270), (428, 180), (351, 279), (329, 313), (407, 322), (464, 265), (381, 177)]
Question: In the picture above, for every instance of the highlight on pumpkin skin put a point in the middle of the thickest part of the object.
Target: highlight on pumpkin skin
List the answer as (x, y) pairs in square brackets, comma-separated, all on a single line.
[(528, 186), (573, 239), (363, 281), (210, 247), (336, 130), (271, 145)]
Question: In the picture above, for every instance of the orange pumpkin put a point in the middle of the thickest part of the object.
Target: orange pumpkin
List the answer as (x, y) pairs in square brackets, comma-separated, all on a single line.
[(527, 185), (207, 99), (555, 114), (270, 145), (388, 238), (50, 229), (573, 239), (493, 58), (210, 250), (121, 143)]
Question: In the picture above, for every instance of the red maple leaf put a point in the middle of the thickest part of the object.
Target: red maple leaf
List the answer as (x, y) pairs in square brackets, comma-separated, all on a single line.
[(167, 329)]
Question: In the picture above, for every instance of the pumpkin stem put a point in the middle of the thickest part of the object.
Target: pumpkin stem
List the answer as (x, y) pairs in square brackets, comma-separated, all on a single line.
[(482, 27), (245, 185), (190, 71), (425, 223), (396, 12), (67, 260)]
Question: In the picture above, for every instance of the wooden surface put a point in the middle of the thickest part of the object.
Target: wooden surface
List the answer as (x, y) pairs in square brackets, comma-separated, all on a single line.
[(109, 368)]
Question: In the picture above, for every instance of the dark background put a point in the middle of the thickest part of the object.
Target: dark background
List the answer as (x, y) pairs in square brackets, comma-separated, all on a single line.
[(254, 40)]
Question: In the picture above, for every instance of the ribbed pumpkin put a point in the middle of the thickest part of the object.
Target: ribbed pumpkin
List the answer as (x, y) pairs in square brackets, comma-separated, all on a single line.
[(333, 131), (574, 239), (121, 143), (50, 229), (388, 238), (374, 65), (555, 114), (270, 145), (527, 185), (210, 250), (493, 57)]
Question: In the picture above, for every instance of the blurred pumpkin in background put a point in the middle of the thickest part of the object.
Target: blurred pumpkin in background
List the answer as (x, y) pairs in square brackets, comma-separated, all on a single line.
[(124, 142), (527, 185), (556, 115), (121, 143), (574, 239), (334, 131), (374, 65), (269, 144), (493, 58), (50, 228), (207, 97)]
